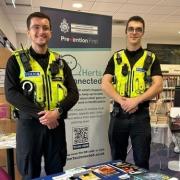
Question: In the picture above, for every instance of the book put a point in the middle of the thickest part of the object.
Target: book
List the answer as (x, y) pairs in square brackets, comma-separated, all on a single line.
[(89, 176), (151, 176), (62, 177), (76, 171), (105, 170), (128, 168), (77, 176), (72, 174)]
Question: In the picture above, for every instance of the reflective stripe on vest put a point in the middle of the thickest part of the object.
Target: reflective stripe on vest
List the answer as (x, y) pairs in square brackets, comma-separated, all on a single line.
[(134, 83), (48, 93)]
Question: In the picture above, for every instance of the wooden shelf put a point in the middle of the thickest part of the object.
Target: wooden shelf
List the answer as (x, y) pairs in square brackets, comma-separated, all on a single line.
[(161, 104)]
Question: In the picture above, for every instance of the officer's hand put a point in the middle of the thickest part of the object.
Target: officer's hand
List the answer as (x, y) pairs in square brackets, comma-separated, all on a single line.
[(130, 105), (49, 118), (133, 110), (121, 101), (53, 125)]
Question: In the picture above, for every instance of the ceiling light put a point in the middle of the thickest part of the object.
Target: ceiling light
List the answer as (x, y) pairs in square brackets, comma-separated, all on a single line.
[(17, 4), (77, 5), (13, 2), (178, 32)]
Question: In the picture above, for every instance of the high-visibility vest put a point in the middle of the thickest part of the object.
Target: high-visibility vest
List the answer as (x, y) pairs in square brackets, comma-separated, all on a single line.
[(45, 89), (131, 82)]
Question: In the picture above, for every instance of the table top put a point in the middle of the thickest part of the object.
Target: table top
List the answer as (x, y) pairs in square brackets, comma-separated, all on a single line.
[(111, 170), (7, 140)]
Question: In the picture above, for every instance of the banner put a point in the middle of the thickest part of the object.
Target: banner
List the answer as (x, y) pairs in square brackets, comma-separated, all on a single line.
[(88, 121), (71, 29)]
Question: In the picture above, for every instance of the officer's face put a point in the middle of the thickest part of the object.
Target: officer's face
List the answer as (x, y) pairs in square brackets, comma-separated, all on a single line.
[(135, 32), (39, 31)]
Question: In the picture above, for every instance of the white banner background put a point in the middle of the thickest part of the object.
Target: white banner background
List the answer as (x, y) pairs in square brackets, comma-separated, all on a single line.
[(88, 121)]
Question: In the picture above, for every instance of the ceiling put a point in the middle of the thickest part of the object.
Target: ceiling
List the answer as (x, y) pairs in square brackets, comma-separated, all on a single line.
[(162, 17)]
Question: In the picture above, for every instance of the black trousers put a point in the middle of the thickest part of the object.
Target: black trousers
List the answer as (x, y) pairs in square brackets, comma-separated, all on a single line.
[(137, 127), (35, 140)]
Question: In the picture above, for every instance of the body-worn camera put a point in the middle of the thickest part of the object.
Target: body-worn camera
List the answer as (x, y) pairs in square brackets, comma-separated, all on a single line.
[(55, 66), (125, 70)]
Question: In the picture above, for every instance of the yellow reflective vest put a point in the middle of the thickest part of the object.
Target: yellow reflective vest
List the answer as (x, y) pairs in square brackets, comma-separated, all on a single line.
[(131, 82), (48, 90)]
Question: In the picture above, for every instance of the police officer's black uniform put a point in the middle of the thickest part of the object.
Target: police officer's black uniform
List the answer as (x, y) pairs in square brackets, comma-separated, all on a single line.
[(33, 138), (136, 125)]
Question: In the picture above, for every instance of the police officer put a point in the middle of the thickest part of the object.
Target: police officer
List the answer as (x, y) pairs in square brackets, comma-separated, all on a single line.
[(132, 77), (40, 85)]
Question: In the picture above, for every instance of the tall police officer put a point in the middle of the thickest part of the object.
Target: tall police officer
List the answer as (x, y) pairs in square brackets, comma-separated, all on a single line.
[(41, 87), (132, 77)]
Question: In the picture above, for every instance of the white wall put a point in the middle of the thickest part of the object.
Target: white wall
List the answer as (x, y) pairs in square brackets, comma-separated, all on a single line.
[(22, 38), (7, 27)]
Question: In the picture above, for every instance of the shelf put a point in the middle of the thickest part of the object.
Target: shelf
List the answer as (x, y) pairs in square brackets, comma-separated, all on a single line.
[(168, 88), (171, 74), (161, 104), (167, 99)]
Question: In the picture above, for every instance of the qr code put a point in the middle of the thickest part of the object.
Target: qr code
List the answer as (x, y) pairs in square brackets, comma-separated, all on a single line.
[(80, 137)]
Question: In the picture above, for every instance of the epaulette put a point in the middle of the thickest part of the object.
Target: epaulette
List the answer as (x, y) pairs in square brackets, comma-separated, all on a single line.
[(58, 59), (148, 61), (149, 53), (119, 58), (25, 59), (120, 50)]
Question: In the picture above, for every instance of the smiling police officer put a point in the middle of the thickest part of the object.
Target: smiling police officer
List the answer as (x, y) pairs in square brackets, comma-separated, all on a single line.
[(40, 85)]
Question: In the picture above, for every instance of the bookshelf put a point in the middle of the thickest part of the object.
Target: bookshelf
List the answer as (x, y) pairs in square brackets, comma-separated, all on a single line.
[(160, 106)]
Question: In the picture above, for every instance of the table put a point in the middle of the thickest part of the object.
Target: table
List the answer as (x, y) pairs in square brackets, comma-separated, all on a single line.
[(8, 142), (161, 134), (111, 170), (164, 138)]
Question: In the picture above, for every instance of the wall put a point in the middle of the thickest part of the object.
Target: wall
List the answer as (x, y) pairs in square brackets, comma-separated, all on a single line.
[(7, 28), (120, 43), (22, 38)]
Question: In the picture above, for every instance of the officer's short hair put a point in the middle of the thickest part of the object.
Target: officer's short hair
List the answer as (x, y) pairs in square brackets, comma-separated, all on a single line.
[(38, 15), (135, 18)]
